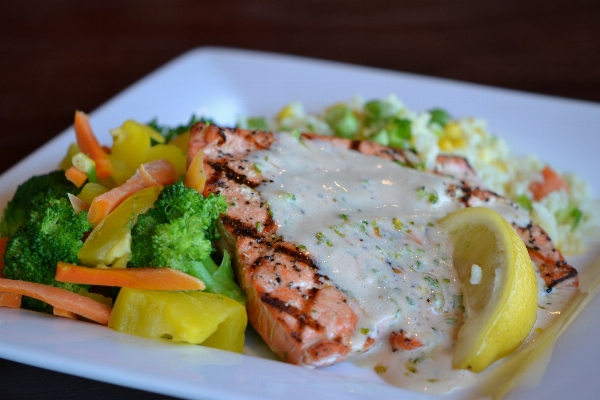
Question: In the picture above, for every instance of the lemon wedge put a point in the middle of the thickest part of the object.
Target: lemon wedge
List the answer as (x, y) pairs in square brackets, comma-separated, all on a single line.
[(500, 292)]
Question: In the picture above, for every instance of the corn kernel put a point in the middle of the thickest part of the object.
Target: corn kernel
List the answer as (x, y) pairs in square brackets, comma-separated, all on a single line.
[(286, 112), (445, 144), (459, 143), (453, 130)]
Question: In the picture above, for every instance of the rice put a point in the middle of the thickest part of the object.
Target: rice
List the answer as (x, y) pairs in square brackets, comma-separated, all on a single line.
[(569, 217)]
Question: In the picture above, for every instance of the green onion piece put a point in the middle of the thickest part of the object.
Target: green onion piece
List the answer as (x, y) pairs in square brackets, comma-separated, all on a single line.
[(439, 116), (525, 202), (342, 121), (399, 132), (381, 137), (576, 214), (373, 111), (257, 123), (92, 175)]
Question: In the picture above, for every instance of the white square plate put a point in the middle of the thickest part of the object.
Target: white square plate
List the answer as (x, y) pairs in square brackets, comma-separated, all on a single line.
[(224, 83)]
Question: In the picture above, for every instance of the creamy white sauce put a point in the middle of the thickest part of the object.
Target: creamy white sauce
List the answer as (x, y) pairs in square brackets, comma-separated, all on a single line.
[(371, 226)]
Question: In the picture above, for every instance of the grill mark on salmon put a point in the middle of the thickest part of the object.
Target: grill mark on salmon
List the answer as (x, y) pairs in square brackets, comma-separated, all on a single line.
[(233, 175), (302, 316)]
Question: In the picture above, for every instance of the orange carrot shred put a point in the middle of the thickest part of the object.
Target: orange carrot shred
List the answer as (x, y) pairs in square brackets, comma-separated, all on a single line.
[(154, 173), (88, 144), (64, 313), (59, 298), (550, 182), (76, 176), (10, 300), (135, 278)]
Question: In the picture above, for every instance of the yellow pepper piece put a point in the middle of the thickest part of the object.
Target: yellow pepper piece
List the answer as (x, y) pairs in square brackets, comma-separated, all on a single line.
[(182, 141), (195, 177), (130, 145), (91, 190), (66, 162), (171, 153), (110, 240), (193, 317)]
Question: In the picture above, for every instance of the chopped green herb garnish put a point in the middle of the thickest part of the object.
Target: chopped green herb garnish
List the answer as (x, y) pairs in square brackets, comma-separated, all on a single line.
[(380, 369), (430, 196), (432, 282), (321, 238), (296, 134)]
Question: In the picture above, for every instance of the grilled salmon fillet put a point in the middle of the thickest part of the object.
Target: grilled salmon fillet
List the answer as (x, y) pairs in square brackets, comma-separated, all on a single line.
[(298, 311)]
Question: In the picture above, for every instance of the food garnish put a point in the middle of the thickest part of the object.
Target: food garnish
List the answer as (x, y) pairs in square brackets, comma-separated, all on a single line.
[(500, 291)]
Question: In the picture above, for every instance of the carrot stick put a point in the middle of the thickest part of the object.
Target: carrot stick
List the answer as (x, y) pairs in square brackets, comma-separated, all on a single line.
[(64, 313), (59, 298), (10, 300), (135, 278), (88, 144), (195, 177), (551, 182), (154, 173), (76, 176)]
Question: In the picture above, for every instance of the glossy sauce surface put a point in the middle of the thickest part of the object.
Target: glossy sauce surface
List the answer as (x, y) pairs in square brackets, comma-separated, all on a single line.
[(371, 227)]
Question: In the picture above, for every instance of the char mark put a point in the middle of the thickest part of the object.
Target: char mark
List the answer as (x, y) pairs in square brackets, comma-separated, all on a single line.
[(231, 174), (561, 264), (238, 228), (297, 256), (303, 318)]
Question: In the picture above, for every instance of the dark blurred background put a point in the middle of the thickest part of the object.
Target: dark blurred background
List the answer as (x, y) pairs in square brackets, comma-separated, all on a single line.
[(60, 55)]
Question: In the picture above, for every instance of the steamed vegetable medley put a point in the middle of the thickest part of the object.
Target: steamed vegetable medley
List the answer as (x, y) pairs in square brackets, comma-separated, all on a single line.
[(123, 237)]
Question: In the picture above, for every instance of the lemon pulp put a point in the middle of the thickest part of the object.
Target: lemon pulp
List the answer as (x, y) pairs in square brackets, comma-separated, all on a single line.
[(501, 304)]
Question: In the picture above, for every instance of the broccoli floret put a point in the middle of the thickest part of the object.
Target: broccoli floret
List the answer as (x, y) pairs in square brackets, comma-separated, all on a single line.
[(34, 194), (177, 232), (52, 232)]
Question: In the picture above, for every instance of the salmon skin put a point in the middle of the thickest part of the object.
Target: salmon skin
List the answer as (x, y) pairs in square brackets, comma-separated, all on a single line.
[(300, 314)]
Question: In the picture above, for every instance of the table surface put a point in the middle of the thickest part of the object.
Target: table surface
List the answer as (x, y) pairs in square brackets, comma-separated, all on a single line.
[(59, 56)]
